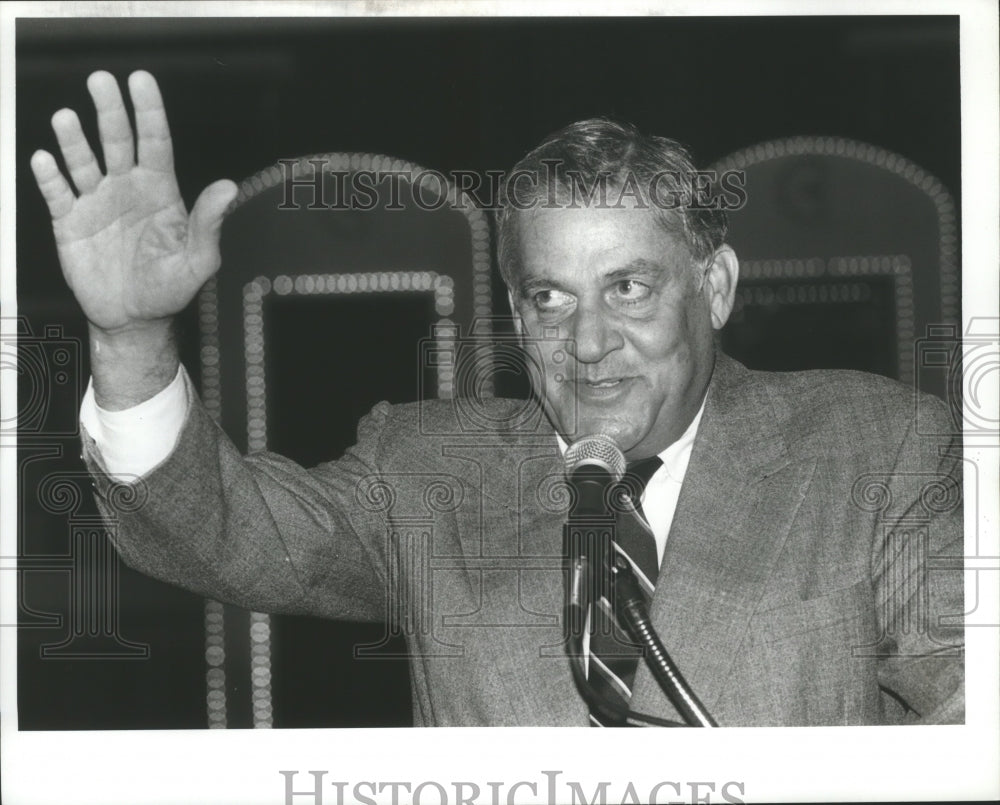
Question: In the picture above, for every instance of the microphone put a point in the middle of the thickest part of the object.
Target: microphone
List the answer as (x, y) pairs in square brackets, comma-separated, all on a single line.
[(593, 464)]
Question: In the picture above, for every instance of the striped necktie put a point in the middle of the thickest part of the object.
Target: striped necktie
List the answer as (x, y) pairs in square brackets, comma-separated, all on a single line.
[(613, 654)]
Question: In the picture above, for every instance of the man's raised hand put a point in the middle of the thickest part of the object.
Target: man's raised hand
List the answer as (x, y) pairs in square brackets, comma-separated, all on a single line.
[(128, 248)]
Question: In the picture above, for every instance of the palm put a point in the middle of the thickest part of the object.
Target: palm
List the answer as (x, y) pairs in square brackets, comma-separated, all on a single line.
[(122, 250), (127, 246)]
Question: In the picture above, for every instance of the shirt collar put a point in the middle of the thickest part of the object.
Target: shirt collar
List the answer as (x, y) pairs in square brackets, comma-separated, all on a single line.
[(675, 457)]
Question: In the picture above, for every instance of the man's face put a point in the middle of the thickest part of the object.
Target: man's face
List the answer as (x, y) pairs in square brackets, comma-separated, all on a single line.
[(635, 314)]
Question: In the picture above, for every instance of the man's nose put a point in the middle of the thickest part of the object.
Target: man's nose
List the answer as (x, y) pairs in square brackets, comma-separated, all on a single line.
[(594, 334)]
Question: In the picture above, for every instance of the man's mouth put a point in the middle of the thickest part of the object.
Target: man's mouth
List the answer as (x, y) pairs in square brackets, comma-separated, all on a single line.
[(604, 388)]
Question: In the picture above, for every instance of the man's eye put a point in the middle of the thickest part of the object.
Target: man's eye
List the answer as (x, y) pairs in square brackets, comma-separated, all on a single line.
[(632, 290), (552, 300)]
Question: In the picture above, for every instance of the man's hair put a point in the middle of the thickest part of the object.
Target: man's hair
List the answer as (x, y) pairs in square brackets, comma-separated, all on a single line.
[(573, 166)]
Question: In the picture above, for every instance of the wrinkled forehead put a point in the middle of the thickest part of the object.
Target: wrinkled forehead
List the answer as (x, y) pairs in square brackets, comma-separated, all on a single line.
[(567, 241), (579, 224), (562, 205)]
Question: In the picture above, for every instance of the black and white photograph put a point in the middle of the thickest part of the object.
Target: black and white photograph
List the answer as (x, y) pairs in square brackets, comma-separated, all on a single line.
[(536, 366)]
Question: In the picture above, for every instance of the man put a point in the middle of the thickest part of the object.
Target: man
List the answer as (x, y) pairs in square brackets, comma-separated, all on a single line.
[(787, 523)]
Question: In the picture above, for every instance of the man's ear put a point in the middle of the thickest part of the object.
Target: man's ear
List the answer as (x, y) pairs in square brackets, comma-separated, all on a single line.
[(719, 284)]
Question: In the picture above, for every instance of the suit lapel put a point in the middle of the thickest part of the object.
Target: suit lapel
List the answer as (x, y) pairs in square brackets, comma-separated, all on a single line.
[(737, 502)]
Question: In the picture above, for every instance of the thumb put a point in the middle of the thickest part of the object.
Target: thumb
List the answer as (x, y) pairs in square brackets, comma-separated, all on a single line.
[(205, 223)]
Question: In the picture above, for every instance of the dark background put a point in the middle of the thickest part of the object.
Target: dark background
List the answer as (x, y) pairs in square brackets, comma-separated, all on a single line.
[(447, 94)]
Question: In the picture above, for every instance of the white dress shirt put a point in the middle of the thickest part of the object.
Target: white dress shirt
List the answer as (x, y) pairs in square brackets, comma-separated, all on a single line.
[(134, 441)]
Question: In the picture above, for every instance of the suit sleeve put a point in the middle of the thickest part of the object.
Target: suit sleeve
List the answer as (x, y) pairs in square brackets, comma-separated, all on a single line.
[(260, 531), (917, 569)]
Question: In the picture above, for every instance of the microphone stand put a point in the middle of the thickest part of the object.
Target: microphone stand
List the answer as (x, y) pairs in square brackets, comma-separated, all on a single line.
[(582, 542), (631, 607)]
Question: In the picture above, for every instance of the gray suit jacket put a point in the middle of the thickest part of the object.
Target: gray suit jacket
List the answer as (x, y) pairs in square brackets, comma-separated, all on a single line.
[(812, 574)]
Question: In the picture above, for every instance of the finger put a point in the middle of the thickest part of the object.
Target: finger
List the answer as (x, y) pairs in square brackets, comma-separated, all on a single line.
[(80, 160), (205, 224), (156, 152), (112, 122), (55, 189)]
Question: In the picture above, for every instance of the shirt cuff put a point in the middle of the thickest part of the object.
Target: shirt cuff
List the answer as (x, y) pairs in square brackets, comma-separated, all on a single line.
[(133, 442)]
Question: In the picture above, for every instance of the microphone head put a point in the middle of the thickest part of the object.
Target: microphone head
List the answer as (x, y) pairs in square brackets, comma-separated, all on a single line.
[(598, 450)]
